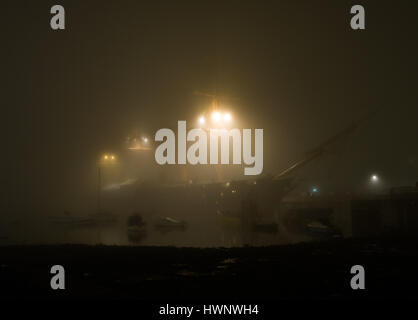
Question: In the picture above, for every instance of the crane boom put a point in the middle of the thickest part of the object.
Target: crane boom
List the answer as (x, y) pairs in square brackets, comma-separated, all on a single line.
[(323, 147)]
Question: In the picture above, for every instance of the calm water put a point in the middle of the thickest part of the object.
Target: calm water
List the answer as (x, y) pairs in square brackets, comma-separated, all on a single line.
[(200, 232)]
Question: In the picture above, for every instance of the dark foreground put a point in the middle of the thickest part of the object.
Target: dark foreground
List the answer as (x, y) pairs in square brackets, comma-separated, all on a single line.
[(312, 270)]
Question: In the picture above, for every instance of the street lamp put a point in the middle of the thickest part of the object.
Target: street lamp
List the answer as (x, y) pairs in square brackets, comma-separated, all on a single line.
[(139, 144), (105, 160), (314, 191)]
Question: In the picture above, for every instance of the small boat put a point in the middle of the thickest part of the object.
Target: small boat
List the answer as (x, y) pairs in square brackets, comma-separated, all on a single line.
[(136, 228), (170, 224), (318, 229), (70, 221)]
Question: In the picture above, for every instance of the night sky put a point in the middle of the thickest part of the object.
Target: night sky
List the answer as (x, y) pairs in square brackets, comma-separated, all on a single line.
[(294, 68)]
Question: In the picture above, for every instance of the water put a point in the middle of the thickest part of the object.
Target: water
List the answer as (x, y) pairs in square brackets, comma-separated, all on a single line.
[(200, 232)]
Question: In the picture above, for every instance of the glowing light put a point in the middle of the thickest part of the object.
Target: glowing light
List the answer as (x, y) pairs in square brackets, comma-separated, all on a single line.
[(374, 178), (216, 116), (202, 120), (227, 117), (108, 157), (145, 139)]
